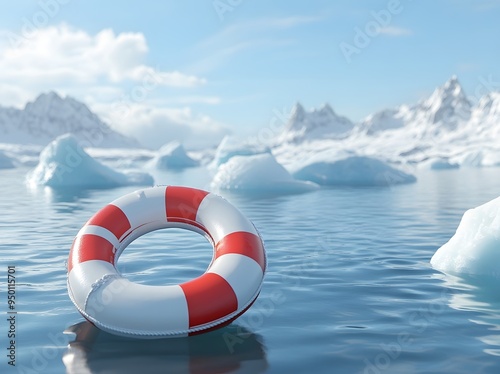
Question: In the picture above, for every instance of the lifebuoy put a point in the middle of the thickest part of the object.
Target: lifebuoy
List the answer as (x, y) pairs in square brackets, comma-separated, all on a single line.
[(228, 287)]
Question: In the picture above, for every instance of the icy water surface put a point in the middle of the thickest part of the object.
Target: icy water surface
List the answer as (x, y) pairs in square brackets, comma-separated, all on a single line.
[(349, 287)]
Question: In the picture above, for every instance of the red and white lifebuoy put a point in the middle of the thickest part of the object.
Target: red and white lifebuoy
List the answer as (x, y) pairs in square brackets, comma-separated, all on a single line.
[(228, 287)]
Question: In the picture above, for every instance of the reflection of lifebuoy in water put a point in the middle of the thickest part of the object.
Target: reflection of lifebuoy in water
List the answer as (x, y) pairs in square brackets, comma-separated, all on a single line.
[(229, 286), (232, 349)]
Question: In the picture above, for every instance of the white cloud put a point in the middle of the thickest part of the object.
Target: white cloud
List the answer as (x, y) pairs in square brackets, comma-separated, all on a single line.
[(154, 126), (61, 54), (13, 95), (107, 72), (394, 31), (173, 78)]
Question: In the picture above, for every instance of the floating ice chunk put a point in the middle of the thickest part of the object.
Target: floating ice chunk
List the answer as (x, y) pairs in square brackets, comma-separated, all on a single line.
[(491, 158), (353, 171), (472, 159), (5, 161), (64, 163), (475, 247), (173, 156), (257, 173), (438, 163), (230, 146)]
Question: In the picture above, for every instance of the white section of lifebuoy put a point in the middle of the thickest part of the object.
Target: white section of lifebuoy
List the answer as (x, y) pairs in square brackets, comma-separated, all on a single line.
[(83, 276), (231, 267), (149, 308), (226, 221), (229, 286), (142, 206), (99, 231)]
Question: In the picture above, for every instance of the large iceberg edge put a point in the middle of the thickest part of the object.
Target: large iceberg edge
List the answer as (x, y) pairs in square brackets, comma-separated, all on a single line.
[(64, 163), (474, 250)]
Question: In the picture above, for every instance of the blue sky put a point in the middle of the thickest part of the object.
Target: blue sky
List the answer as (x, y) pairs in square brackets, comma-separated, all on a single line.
[(189, 69)]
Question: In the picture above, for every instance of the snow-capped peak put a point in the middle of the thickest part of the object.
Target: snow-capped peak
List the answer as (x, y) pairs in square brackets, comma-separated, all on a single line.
[(50, 116), (45, 100), (54, 105), (448, 105), (315, 124), (450, 91), (489, 104), (446, 109), (326, 109), (386, 119), (297, 114), (485, 118)]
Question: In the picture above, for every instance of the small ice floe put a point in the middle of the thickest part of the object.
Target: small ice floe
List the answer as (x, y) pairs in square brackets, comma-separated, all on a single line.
[(231, 146), (438, 163), (353, 171), (173, 156), (259, 174)]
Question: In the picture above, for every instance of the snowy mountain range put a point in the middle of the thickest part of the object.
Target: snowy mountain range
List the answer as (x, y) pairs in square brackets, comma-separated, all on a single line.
[(50, 116), (445, 110), (444, 125), (447, 126)]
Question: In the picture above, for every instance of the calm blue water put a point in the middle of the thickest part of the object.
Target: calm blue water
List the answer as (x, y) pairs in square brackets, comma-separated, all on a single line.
[(349, 287)]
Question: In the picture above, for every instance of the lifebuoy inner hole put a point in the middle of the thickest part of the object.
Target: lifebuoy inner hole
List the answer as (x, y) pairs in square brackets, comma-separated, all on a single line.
[(165, 256)]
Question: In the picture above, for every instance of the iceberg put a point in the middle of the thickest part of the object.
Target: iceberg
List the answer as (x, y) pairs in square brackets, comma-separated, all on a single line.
[(474, 250), (438, 163), (491, 158), (173, 156), (64, 163), (473, 159), (5, 161), (230, 146), (353, 171), (479, 158), (257, 173)]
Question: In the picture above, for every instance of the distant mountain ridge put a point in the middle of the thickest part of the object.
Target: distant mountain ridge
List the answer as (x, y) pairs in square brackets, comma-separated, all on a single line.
[(446, 124), (50, 116), (446, 109)]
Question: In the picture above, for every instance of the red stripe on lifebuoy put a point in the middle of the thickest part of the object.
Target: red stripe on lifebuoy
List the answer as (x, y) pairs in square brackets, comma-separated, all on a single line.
[(209, 298), (182, 203), (90, 247), (243, 243), (111, 218), (225, 323)]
